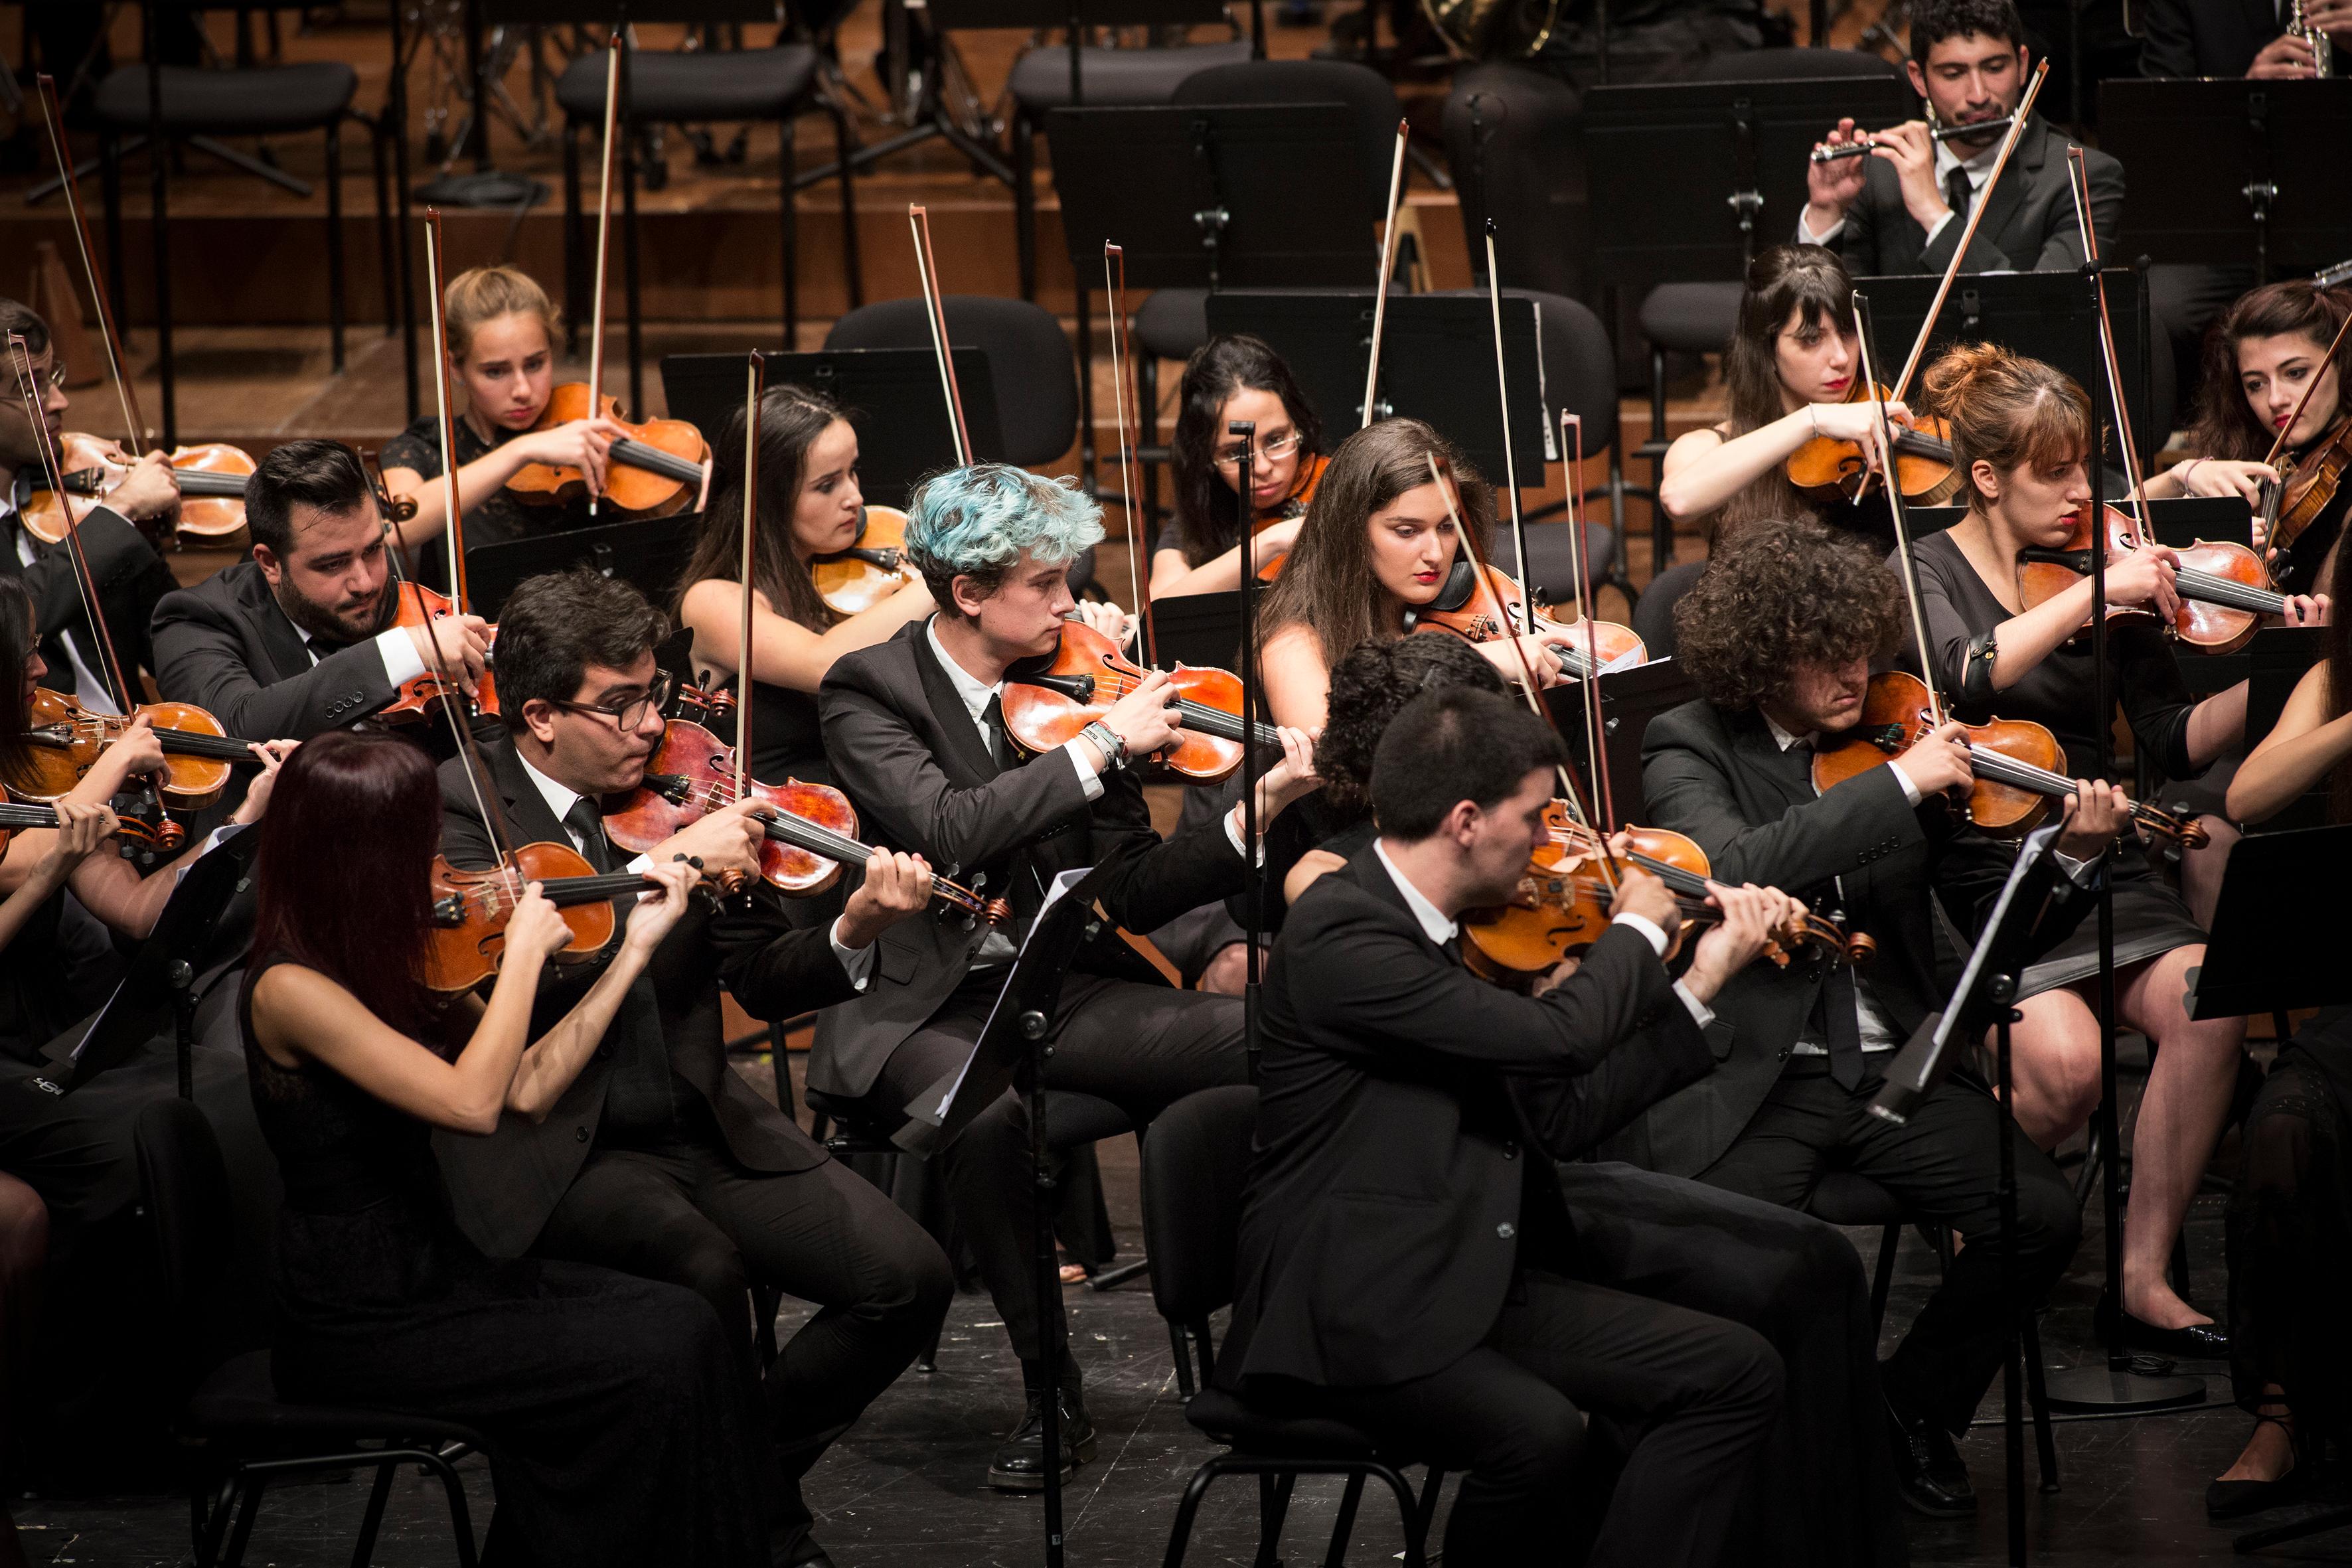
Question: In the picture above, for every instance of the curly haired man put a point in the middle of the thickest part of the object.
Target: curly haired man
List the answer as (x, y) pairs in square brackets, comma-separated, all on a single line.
[(1780, 635)]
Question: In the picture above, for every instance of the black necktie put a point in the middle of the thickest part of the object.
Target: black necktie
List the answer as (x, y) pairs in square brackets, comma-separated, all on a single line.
[(1958, 192), (325, 648), (1837, 1011), (588, 826), (1452, 945), (992, 716)]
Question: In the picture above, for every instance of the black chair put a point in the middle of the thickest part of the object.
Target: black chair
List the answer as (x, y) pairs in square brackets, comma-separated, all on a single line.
[(1844, 1198), (1654, 618), (1515, 142), (248, 1435), (169, 106), (698, 86), (1199, 1148)]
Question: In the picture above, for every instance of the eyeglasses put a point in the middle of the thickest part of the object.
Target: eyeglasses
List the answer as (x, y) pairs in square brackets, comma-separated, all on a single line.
[(51, 380), (629, 712), (1280, 446)]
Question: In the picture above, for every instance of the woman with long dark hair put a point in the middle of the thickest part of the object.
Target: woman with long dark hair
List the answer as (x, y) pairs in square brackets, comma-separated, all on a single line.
[(618, 1419), (809, 505), (1377, 545), (1231, 378)]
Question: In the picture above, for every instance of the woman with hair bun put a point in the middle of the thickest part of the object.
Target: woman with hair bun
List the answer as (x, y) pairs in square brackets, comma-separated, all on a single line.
[(2021, 433)]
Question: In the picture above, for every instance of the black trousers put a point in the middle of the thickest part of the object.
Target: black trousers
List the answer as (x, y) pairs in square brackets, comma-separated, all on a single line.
[(1142, 1047), (1943, 1166), (1696, 1395), (690, 1214)]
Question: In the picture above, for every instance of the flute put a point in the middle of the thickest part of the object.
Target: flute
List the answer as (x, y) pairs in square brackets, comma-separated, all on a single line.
[(1941, 134)]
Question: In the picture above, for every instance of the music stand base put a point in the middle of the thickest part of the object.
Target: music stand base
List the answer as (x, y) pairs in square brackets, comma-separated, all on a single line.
[(2103, 1390)]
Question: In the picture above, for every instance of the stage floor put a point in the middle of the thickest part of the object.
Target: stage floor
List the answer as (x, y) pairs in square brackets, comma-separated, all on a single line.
[(903, 1489)]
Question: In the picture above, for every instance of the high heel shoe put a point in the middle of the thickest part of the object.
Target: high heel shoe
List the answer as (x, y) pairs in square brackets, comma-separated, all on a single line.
[(2121, 1330)]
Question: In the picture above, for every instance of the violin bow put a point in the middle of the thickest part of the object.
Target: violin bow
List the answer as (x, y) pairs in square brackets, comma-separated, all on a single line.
[(1977, 205), (1579, 566), (934, 310), (20, 355), (1139, 574), (2078, 184), (603, 244), (53, 115), (1511, 458), (755, 382), (1529, 688), (1885, 434), (1388, 265)]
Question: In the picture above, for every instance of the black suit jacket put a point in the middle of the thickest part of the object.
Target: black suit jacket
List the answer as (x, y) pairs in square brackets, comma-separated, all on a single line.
[(904, 748), (2030, 227), (1403, 1107), (224, 645), (1720, 778), (131, 580), (504, 1186), (2204, 38)]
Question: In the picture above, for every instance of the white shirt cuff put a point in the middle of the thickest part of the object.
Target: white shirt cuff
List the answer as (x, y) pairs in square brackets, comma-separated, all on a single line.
[(401, 663), (1910, 789), (1088, 779), (857, 962), (1948, 216), (1650, 931), (1701, 1013), (1234, 833), (2077, 872), (638, 868), (1805, 235)]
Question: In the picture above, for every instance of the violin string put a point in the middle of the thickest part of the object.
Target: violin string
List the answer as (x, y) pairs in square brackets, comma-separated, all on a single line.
[(21, 356), (1388, 265)]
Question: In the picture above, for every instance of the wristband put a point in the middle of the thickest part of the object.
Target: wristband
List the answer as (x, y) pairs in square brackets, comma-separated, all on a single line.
[(1106, 740)]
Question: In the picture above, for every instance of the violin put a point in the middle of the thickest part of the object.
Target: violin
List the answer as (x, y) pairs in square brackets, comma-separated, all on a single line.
[(66, 738), (1498, 607), (2015, 762), (140, 823), (1294, 505), (420, 695), (212, 487), (2306, 488), (2224, 587), (654, 470), (871, 570), (810, 830), (1044, 708), (467, 940), (1827, 468)]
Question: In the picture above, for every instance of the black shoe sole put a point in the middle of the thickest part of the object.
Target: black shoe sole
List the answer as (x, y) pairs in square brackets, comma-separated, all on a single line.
[(1082, 1452)]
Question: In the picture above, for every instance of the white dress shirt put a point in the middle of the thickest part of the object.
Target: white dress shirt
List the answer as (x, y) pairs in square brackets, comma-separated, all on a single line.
[(1980, 169), (857, 962)]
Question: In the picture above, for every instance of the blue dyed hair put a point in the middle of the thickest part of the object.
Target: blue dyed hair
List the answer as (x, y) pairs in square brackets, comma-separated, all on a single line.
[(975, 522)]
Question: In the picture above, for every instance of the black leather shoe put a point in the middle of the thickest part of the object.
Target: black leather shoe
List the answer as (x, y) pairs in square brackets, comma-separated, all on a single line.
[(1019, 1466), (2121, 1330), (1928, 1473)]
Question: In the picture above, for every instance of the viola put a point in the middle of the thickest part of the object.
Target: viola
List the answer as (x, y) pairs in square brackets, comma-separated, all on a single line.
[(1924, 465), (2306, 488), (2224, 587), (467, 940), (66, 738), (1499, 608), (810, 830), (422, 695), (212, 487), (1045, 708), (870, 570), (2015, 762), (654, 470)]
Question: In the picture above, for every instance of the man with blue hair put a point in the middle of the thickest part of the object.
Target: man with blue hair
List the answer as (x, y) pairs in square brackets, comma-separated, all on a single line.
[(914, 729)]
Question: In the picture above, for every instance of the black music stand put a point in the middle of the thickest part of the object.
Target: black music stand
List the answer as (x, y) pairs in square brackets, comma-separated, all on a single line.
[(2252, 171), (2038, 314), (1210, 196), (1009, 1053), (649, 552), (892, 395), (2267, 953), (1630, 699), (1197, 630), (1437, 364), (1714, 171)]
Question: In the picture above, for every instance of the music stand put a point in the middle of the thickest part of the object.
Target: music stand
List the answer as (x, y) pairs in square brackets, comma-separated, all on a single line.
[(1197, 630), (2267, 953), (2253, 170), (1263, 196), (1437, 364), (2037, 314), (1630, 699), (891, 395), (1009, 1053), (649, 552), (1715, 170)]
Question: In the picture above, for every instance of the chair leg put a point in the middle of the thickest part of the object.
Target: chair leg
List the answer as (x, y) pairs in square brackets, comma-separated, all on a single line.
[(1179, 1535), (1424, 1514), (1273, 1508), (850, 263), (1204, 1349), (363, 1550), (789, 210), (242, 1533), (385, 256), (335, 247), (1344, 1525), (929, 1360), (1183, 1354), (211, 1524), (461, 1518), (2037, 1396), (1881, 1281)]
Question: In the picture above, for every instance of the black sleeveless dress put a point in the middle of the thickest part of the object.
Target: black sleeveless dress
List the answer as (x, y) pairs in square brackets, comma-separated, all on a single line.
[(618, 1419)]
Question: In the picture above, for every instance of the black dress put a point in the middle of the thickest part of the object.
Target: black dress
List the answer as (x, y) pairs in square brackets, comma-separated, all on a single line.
[(2298, 571), (2056, 693), (618, 1421), (494, 519)]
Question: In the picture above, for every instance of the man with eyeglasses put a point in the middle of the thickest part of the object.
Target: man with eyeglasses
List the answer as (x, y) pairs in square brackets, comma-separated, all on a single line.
[(131, 577), (660, 1161)]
